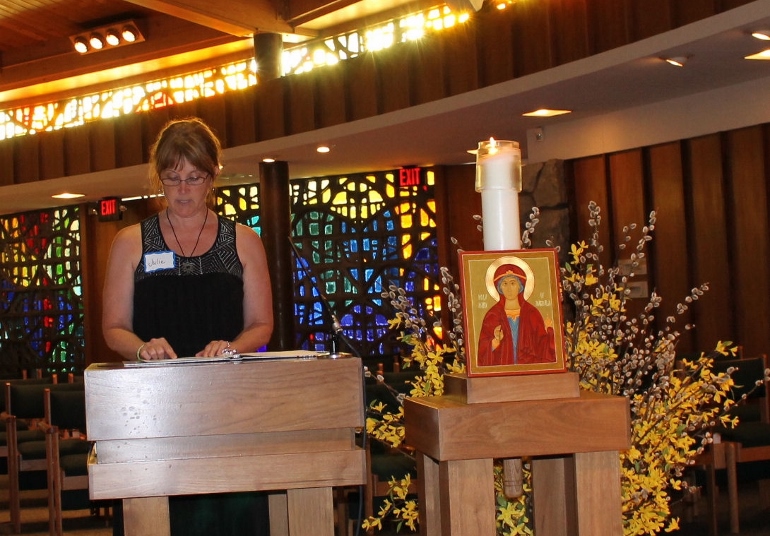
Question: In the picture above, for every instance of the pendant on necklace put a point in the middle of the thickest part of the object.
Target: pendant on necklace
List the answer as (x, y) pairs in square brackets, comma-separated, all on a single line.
[(187, 267)]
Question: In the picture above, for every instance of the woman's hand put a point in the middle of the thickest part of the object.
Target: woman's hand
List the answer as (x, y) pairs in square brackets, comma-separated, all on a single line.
[(156, 349), (217, 348)]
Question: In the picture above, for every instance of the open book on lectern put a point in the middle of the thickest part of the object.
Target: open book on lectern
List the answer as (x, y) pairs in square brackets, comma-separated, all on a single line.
[(248, 356)]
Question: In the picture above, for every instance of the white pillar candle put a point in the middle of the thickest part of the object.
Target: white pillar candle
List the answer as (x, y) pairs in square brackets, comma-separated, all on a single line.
[(498, 178)]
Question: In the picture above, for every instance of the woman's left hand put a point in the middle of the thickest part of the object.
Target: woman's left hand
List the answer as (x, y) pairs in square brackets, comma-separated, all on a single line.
[(217, 348)]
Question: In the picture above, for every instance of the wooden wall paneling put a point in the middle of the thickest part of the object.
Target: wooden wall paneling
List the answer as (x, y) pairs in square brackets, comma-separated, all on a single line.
[(152, 124), (628, 207), (607, 25), (129, 141), (589, 183), (749, 246), (426, 74), (77, 151), (271, 109), (708, 250), (667, 265), (456, 203), (361, 83), (460, 59), (569, 30), (332, 96), (690, 11), (531, 38), (51, 154), (650, 17), (393, 77), (102, 142), (731, 4), (213, 112), (495, 46), (241, 117), (7, 149), (27, 159), (626, 191), (301, 103)]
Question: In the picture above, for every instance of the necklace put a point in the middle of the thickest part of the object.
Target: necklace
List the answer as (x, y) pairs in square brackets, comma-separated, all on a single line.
[(188, 266)]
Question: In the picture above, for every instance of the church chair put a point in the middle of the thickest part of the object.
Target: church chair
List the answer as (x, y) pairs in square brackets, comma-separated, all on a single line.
[(748, 442), (27, 464), (67, 451), (22, 435)]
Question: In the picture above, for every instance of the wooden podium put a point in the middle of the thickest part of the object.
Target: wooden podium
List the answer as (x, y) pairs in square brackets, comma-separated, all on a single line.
[(573, 437), (164, 430)]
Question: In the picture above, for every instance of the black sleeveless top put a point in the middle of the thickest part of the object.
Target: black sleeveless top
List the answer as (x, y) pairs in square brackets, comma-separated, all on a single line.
[(190, 301)]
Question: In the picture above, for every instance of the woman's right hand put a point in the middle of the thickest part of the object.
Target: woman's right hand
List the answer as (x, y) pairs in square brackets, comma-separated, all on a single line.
[(157, 349)]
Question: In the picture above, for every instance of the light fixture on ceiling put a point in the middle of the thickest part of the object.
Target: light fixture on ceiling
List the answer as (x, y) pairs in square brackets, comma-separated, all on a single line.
[(67, 195), (764, 55), (107, 37), (762, 35), (268, 160), (676, 61), (546, 112), (323, 149)]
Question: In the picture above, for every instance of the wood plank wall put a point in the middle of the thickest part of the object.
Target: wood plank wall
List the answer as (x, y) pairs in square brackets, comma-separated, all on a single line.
[(713, 222)]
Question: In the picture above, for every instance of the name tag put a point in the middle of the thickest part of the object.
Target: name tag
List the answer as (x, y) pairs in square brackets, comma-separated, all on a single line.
[(162, 260)]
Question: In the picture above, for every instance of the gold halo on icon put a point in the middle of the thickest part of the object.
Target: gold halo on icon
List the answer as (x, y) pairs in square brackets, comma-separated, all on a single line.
[(529, 286)]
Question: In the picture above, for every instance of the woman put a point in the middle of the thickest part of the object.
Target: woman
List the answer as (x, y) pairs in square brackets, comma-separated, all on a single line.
[(513, 331), (187, 282)]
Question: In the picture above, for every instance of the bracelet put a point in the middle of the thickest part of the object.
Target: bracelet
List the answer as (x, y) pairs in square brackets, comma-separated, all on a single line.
[(139, 351)]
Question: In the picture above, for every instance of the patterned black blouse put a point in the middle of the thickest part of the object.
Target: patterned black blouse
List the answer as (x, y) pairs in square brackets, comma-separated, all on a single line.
[(188, 300)]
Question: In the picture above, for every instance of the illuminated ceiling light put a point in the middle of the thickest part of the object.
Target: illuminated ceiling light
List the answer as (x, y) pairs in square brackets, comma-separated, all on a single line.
[(67, 195), (762, 35), (106, 37), (129, 33), (268, 160), (112, 37), (96, 41), (764, 55), (323, 149), (546, 112), (677, 61), (81, 45)]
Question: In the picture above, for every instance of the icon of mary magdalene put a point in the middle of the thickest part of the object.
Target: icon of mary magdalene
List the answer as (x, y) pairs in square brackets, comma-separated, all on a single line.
[(513, 331)]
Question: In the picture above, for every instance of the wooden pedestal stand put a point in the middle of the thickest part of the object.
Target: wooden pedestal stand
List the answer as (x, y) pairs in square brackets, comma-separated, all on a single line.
[(226, 427), (573, 437)]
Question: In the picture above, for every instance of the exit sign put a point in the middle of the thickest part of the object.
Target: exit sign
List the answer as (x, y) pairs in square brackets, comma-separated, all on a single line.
[(409, 176), (108, 209)]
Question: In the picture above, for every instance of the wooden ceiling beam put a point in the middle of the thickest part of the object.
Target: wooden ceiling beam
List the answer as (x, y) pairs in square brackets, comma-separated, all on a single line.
[(240, 17)]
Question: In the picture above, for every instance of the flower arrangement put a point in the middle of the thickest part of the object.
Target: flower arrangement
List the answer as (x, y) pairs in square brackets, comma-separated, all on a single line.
[(674, 403)]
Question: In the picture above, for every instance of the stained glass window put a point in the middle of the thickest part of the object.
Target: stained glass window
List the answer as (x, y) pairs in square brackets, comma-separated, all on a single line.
[(354, 236), (41, 320)]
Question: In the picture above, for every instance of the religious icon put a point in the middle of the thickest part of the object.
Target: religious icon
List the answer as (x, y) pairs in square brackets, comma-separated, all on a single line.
[(512, 311)]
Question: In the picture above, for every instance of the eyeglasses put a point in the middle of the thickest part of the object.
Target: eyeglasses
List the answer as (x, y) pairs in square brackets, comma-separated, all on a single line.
[(195, 180)]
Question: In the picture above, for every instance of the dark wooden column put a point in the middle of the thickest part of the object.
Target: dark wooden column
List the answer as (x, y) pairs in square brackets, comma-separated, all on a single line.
[(268, 49), (275, 201)]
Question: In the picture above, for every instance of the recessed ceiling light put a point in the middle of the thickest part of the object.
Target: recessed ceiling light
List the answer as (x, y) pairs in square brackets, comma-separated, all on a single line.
[(546, 112), (67, 195), (81, 45), (268, 160), (96, 41), (677, 61), (764, 55), (323, 149), (112, 37), (762, 35)]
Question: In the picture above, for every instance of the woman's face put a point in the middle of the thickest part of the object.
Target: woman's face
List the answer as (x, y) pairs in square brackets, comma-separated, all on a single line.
[(186, 188), (510, 287)]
